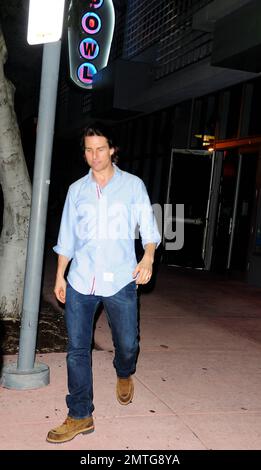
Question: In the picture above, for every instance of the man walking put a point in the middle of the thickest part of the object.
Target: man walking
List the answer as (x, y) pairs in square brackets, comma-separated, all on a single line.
[(97, 232)]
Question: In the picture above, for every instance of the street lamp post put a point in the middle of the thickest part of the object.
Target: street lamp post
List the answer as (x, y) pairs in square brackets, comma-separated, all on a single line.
[(44, 26)]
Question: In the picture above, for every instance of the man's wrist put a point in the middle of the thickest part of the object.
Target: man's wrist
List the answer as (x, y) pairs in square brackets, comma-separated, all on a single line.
[(148, 257), (59, 276)]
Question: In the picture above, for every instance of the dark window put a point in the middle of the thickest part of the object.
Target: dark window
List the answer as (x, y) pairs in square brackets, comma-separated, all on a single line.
[(255, 114), (234, 112)]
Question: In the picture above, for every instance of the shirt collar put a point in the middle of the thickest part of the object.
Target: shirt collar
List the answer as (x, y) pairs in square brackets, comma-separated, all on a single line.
[(117, 173)]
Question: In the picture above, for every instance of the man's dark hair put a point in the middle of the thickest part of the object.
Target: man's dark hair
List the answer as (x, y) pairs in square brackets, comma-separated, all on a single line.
[(102, 130)]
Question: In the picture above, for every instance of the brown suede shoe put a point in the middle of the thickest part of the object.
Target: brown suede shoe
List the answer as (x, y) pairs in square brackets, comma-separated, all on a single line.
[(69, 429), (124, 390)]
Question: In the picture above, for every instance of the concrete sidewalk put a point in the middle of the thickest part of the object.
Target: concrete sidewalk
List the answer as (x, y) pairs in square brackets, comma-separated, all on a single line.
[(198, 380)]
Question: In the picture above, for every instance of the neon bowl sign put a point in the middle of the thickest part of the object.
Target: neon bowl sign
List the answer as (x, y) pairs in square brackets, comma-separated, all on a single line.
[(90, 31)]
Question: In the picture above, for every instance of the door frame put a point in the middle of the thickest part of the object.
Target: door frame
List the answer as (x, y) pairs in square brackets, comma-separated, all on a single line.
[(207, 240), (244, 145)]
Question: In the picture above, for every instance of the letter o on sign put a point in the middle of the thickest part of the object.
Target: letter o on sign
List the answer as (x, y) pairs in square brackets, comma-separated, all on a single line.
[(96, 3), (91, 23)]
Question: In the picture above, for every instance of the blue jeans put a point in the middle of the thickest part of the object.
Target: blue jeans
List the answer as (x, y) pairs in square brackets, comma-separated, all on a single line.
[(121, 311)]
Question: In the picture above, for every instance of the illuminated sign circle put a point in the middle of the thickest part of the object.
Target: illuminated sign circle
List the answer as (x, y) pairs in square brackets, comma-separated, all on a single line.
[(85, 73), (91, 23), (96, 3), (89, 48)]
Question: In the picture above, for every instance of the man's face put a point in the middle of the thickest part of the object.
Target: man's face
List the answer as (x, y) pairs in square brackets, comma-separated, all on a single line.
[(98, 153)]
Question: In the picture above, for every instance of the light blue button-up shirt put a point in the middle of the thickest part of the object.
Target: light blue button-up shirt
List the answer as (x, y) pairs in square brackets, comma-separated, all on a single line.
[(98, 230)]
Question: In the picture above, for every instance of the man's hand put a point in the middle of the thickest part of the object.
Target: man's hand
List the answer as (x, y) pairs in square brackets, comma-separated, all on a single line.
[(60, 283), (143, 271), (60, 289)]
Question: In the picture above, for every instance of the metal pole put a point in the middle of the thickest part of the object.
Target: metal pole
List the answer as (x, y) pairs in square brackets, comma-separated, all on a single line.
[(28, 374)]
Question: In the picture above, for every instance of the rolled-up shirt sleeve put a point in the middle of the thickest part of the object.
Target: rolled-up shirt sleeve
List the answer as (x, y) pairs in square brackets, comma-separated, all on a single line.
[(66, 238), (146, 220)]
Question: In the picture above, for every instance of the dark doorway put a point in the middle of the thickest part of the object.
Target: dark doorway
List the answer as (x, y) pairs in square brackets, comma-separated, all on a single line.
[(236, 199), (246, 200), (190, 185)]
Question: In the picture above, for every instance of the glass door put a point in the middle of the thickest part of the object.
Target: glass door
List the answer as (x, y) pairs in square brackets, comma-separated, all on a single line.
[(235, 205), (194, 182)]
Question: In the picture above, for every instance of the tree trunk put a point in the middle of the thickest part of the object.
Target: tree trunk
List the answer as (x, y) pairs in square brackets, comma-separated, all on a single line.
[(16, 188)]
